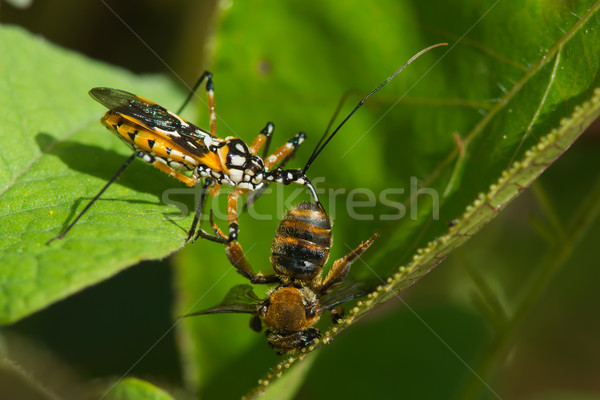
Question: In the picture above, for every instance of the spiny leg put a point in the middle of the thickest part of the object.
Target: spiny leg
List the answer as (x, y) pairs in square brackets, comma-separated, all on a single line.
[(340, 267), (236, 257), (96, 197), (210, 97), (197, 223)]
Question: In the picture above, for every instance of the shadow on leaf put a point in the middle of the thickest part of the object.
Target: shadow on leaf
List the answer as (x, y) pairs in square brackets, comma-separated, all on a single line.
[(103, 164)]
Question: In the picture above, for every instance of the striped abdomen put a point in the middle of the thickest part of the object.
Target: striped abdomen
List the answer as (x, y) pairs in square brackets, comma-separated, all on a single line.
[(301, 246)]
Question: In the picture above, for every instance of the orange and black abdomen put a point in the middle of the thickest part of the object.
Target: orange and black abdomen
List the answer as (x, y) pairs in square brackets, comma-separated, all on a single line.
[(301, 246)]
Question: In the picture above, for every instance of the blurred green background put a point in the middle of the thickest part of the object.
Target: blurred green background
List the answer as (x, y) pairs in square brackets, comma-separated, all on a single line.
[(436, 342)]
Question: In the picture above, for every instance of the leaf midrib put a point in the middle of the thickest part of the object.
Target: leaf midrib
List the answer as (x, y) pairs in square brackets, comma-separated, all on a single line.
[(479, 127)]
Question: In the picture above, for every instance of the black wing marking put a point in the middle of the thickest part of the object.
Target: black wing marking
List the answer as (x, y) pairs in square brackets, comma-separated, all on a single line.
[(149, 114), (240, 299), (345, 293)]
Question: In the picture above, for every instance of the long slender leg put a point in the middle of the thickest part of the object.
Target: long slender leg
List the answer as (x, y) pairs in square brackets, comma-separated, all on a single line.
[(190, 181), (197, 223), (263, 138), (232, 215), (340, 267), (210, 99), (218, 232), (282, 155), (96, 197), (210, 95), (288, 149), (208, 182), (236, 257), (291, 175), (265, 152)]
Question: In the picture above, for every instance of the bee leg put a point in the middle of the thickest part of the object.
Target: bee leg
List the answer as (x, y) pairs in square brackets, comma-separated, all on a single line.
[(197, 223), (337, 314), (235, 253), (255, 323), (290, 343), (236, 257), (341, 266)]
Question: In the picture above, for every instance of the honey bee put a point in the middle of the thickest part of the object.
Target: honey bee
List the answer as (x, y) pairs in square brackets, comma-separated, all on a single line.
[(291, 310)]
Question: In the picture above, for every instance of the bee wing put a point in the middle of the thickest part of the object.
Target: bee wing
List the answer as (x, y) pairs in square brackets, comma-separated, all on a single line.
[(239, 299), (345, 293)]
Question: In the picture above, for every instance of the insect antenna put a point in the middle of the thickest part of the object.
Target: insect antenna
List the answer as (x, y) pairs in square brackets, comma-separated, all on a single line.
[(338, 108), (321, 145)]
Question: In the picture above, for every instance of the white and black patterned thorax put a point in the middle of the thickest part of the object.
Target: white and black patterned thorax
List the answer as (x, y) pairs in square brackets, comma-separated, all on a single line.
[(242, 168)]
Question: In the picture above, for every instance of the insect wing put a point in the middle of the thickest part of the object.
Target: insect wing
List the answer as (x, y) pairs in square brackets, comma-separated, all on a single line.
[(145, 112), (239, 299), (155, 118), (140, 110), (344, 293), (115, 98)]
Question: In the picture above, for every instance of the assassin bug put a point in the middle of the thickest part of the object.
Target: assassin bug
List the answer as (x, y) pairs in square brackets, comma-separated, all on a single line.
[(291, 310), (174, 145)]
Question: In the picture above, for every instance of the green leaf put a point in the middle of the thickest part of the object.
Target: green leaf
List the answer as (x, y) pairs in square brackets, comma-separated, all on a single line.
[(134, 389), (56, 156), (481, 123), (511, 73)]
